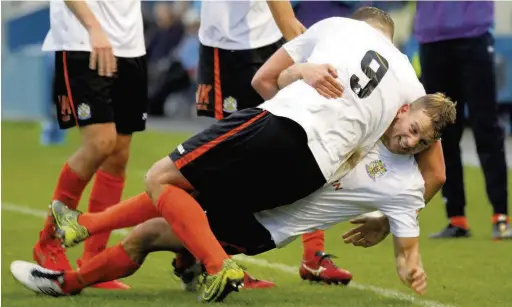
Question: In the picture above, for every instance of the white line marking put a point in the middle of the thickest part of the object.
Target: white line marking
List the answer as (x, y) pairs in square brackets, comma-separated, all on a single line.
[(266, 264)]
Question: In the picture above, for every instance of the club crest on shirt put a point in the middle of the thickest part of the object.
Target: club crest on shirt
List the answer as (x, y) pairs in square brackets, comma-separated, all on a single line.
[(376, 169)]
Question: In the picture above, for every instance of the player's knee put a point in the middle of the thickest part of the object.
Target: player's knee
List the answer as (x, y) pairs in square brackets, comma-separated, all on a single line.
[(118, 159), (100, 143), (162, 172)]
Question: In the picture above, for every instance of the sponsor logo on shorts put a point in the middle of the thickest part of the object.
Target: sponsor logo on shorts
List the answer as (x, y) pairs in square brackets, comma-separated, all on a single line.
[(230, 105), (83, 111), (376, 169), (181, 150), (203, 96)]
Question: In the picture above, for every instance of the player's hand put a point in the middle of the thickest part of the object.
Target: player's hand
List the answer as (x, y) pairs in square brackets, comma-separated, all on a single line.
[(102, 58), (323, 78), (371, 231), (293, 29), (416, 279)]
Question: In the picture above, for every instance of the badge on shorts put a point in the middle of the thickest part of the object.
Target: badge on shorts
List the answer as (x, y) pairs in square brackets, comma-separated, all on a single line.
[(376, 169), (83, 111), (230, 105)]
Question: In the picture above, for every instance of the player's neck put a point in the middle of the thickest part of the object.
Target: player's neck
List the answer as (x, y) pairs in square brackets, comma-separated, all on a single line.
[(385, 138)]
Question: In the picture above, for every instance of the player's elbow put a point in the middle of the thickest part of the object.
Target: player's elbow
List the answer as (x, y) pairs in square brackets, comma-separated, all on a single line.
[(264, 85), (257, 82), (438, 177)]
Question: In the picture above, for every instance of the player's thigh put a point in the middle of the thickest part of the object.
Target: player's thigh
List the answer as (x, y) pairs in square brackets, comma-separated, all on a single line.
[(439, 71), (163, 172), (82, 98), (130, 95), (151, 236), (251, 159), (479, 73), (205, 158)]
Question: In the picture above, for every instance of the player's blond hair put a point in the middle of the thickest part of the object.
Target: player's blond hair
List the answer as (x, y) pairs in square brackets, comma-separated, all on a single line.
[(439, 108), (377, 18)]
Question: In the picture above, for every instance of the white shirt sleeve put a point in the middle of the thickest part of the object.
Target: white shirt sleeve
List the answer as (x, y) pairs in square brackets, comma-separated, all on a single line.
[(301, 47), (402, 213)]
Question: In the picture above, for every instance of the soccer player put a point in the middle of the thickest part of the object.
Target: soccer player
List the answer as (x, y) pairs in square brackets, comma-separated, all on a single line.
[(101, 88), (383, 181), (292, 145)]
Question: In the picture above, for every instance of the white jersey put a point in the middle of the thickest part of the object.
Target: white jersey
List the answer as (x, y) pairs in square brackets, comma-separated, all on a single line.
[(237, 25), (382, 181), (121, 20), (337, 128)]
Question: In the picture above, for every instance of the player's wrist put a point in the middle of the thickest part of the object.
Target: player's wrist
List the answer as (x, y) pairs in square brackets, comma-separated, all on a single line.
[(92, 26)]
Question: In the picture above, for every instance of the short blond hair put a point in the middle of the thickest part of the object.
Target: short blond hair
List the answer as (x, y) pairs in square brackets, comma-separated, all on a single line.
[(439, 108), (376, 17)]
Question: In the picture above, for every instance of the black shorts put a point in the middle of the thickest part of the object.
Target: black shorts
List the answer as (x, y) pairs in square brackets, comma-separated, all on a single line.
[(248, 162), (224, 79), (240, 233), (83, 97)]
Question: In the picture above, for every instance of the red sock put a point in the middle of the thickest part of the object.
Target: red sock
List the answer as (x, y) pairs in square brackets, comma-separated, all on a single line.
[(106, 192), (313, 242), (497, 217), (69, 191), (459, 221), (189, 223), (128, 213), (111, 264)]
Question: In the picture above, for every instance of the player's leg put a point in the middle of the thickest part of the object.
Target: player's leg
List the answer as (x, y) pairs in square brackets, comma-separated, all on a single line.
[(119, 261), (317, 265), (440, 73), (80, 98), (480, 94), (129, 100), (169, 190)]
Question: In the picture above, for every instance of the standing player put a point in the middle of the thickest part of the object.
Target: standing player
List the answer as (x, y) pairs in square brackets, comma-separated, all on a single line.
[(236, 40), (298, 134), (457, 57), (382, 181), (100, 87)]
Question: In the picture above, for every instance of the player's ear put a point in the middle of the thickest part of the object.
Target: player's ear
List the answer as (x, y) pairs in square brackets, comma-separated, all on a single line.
[(403, 110)]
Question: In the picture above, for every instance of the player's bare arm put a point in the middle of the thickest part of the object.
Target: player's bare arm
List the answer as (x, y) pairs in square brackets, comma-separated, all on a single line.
[(280, 71), (322, 77), (432, 167), (102, 58), (265, 79), (284, 17), (408, 263)]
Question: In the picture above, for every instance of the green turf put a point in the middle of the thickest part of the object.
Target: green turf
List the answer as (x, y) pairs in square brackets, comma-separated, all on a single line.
[(467, 273)]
